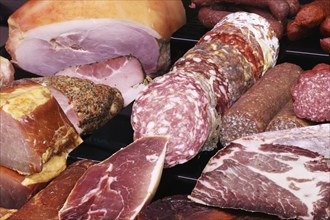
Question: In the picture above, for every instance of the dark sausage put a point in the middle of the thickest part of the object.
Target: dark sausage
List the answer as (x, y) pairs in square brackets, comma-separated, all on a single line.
[(254, 110), (279, 8)]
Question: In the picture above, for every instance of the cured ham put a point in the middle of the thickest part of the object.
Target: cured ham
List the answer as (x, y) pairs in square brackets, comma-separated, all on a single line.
[(121, 185), (278, 173), (124, 73), (47, 37), (33, 127)]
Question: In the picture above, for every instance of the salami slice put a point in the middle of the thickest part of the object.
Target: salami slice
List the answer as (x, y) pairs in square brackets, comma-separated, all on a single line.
[(311, 94), (196, 65), (175, 105)]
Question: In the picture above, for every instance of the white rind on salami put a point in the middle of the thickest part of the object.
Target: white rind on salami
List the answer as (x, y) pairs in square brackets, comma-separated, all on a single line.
[(262, 32)]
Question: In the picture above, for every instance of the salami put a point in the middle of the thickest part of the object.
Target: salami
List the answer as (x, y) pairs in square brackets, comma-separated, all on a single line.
[(311, 94), (254, 110), (187, 103), (287, 119), (175, 105)]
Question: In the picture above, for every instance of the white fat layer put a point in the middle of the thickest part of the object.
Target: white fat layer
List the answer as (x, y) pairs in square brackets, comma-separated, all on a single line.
[(314, 138), (260, 27), (50, 31)]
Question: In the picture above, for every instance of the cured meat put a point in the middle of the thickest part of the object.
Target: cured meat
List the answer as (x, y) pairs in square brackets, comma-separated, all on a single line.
[(12, 190), (271, 172), (308, 19), (255, 109), (200, 87), (121, 185), (47, 203), (6, 213), (259, 28), (209, 16), (179, 207), (46, 37), (124, 73), (280, 9), (184, 114), (311, 94), (7, 72), (222, 67), (88, 106), (33, 127), (286, 119)]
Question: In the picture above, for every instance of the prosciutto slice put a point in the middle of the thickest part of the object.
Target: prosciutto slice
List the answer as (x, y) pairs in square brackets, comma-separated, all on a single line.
[(121, 185), (272, 173)]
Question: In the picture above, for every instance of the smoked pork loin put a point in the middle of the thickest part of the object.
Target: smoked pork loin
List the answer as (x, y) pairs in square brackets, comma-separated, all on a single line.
[(48, 36), (33, 127)]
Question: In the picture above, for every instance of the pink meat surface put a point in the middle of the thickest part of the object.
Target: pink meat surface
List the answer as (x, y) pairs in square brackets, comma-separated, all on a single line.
[(121, 185)]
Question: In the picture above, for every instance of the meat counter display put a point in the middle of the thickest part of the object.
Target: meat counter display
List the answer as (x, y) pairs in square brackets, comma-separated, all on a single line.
[(185, 178)]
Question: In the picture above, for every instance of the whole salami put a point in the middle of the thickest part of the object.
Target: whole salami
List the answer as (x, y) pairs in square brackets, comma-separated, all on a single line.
[(187, 103), (311, 94)]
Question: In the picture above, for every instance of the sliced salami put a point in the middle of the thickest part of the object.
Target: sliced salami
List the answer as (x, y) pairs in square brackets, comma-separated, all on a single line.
[(175, 105), (187, 103), (196, 65), (311, 94)]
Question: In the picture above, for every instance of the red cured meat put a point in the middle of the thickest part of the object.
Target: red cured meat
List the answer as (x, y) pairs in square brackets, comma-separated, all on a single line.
[(277, 173), (174, 105), (311, 94), (121, 185)]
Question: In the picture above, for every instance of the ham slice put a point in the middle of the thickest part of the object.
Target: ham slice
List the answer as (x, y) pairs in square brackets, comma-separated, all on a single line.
[(33, 127), (46, 36), (273, 173), (121, 185), (124, 73), (7, 72)]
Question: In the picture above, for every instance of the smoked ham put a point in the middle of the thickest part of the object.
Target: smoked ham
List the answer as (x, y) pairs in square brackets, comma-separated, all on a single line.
[(48, 36), (12, 190), (121, 185), (33, 127)]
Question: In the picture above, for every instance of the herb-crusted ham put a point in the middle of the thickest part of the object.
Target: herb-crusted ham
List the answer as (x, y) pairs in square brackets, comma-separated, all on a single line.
[(88, 105)]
